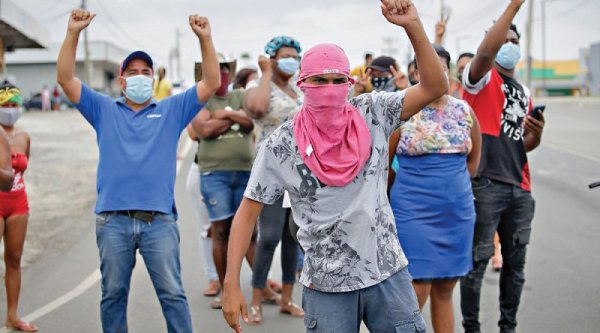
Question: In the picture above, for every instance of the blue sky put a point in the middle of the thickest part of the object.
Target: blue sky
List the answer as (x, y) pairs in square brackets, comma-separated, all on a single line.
[(357, 25)]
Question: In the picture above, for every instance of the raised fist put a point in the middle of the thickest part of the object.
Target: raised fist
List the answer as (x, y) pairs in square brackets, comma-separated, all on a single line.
[(79, 20), (200, 25)]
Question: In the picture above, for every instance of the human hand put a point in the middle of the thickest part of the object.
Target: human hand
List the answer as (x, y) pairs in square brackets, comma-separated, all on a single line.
[(534, 126), (264, 63), (400, 12), (79, 20), (200, 26), (400, 79), (234, 304), (440, 26), (220, 114)]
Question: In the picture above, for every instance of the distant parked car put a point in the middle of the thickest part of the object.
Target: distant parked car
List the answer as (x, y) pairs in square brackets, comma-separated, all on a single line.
[(35, 102)]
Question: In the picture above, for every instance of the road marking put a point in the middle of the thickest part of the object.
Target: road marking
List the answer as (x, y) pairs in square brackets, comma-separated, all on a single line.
[(93, 278)]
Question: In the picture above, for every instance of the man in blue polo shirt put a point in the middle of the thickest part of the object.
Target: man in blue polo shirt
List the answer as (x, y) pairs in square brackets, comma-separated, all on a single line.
[(137, 139)]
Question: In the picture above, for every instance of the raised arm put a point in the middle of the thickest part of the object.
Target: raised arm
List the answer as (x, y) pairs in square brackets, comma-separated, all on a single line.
[(211, 74), (433, 82), (6, 173), (242, 228), (440, 29), (65, 65), (494, 39), (257, 100)]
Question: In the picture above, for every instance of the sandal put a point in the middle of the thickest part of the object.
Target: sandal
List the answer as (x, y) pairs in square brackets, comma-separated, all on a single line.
[(255, 316), (292, 309), (216, 304), (23, 326), (213, 289), (272, 300)]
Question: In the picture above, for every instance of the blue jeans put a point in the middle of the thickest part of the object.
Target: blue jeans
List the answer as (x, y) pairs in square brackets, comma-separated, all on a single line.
[(389, 306), (118, 237), (272, 228), (508, 209), (223, 192)]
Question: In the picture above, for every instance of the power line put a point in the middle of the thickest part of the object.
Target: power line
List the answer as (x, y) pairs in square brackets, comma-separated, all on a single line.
[(118, 26)]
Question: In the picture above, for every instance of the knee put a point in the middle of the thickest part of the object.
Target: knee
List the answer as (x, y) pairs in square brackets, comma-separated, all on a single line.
[(12, 259), (443, 290), (220, 235), (268, 244)]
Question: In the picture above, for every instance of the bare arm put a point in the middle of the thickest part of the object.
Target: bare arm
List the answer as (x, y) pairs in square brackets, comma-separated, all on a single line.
[(440, 30), (257, 100), (433, 82), (65, 65), (533, 132), (211, 78), (241, 231), (239, 117), (475, 154), (494, 39), (6, 173), (191, 132), (209, 127)]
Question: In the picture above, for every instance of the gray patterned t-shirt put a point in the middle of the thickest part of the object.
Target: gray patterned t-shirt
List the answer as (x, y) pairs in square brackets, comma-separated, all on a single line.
[(348, 232)]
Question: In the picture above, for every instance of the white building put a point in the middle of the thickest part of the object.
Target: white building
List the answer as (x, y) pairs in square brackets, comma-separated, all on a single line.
[(32, 69)]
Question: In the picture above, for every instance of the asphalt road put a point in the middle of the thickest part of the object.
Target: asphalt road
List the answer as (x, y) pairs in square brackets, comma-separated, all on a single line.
[(61, 293)]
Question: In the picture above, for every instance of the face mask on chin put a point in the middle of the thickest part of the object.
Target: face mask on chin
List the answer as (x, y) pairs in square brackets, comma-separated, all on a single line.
[(138, 89), (10, 116)]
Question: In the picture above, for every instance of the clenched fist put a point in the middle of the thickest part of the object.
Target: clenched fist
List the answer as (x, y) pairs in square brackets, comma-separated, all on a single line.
[(79, 20), (200, 25)]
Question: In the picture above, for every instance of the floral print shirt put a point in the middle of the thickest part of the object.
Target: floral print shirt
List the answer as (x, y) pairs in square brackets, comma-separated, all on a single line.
[(348, 233), (438, 131), (281, 108)]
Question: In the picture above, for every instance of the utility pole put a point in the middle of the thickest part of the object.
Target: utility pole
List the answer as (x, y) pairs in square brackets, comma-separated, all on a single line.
[(178, 53), (529, 32), (87, 68)]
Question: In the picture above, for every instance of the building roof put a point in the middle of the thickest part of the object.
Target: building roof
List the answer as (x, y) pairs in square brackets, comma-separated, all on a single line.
[(100, 51), (18, 29)]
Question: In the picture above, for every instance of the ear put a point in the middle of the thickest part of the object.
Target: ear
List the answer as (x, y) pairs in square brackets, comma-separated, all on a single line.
[(122, 83)]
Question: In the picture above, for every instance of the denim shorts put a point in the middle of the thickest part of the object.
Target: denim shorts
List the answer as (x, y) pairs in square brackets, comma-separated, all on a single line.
[(389, 306), (223, 192)]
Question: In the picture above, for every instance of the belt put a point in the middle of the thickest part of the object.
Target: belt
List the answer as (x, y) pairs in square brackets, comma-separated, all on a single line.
[(143, 215)]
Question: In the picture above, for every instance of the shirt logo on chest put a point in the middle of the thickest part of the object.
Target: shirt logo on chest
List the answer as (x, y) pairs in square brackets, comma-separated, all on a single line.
[(154, 115)]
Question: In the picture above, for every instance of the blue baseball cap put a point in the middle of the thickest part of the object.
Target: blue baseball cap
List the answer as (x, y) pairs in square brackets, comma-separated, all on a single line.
[(136, 55)]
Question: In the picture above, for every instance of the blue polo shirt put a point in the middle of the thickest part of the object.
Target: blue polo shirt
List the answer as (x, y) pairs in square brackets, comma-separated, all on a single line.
[(138, 150)]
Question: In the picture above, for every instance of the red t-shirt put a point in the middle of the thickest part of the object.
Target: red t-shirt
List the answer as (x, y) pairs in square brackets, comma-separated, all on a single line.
[(501, 104)]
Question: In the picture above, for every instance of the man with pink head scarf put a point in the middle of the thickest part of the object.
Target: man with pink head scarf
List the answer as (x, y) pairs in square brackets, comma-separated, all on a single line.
[(332, 159)]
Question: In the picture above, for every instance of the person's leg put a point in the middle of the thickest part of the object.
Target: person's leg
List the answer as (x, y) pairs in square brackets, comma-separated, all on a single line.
[(116, 247), (289, 260), (271, 222), (442, 308), (490, 201), (331, 312), (220, 234), (14, 238), (204, 242), (392, 306), (422, 289), (514, 231), (159, 246)]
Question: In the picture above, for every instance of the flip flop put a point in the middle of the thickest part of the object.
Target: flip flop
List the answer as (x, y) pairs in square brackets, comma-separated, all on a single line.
[(273, 300), (212, 289), (255, 315), (216, 304), (292, 310), (23, 326)]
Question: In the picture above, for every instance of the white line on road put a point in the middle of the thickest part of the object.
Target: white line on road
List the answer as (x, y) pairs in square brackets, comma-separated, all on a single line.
[(93, 278)]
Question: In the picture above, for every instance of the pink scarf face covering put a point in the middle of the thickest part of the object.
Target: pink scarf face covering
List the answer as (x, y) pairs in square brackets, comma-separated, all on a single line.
[(332, 137)]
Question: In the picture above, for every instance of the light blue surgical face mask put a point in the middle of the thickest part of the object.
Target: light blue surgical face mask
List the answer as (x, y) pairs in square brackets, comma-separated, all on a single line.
[(139, 88), (9, 116), (288, 65), (508, 56)]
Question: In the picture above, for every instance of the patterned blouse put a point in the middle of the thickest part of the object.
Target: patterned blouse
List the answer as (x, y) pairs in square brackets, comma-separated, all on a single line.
[(281, 108), (438, 131)]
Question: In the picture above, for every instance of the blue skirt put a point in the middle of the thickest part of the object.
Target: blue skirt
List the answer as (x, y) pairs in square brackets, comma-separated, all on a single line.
[(433, 205)]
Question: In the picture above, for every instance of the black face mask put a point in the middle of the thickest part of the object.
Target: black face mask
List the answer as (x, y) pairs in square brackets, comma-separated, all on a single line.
[(380, 82)]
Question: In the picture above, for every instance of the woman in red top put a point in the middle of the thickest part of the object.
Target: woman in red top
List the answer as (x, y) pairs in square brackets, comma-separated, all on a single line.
[(14, 208)]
